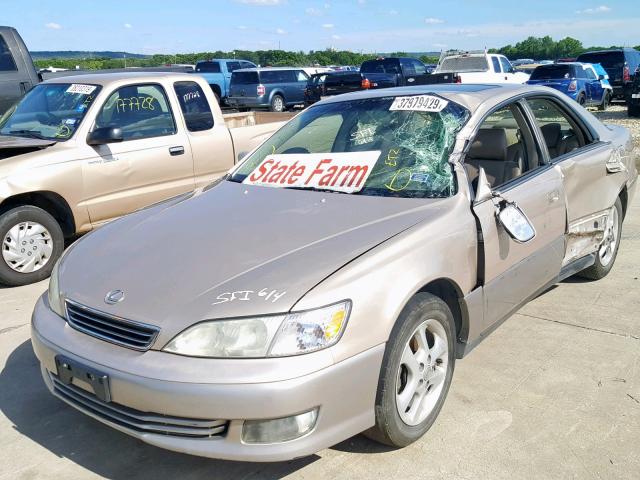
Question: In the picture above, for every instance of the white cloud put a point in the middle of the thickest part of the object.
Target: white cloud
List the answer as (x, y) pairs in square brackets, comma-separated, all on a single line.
[(242, 27), (128, 25), (336, 37), (314, 12), (263, 3), (328, 25), (392, 12), (327, 5), (433, 21), (362, 2), (439, 45), (53, 26), (591, 11), (280, 31)]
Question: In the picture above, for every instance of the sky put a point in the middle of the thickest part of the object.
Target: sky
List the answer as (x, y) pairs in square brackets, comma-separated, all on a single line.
[(145, 26)]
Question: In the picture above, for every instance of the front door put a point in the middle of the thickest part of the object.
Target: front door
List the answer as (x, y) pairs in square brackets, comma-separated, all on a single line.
[(152, 163), (513, 272)]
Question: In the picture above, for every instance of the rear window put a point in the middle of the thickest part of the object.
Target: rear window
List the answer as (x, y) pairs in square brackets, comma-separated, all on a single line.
[(380, 66), (464, 64), (552, 71), (245, 78), (614, 59), (208, 67), (7, 64)]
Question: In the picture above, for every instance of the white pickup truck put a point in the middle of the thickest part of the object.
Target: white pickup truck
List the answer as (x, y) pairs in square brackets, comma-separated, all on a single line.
[(78, 151), (475, 67)]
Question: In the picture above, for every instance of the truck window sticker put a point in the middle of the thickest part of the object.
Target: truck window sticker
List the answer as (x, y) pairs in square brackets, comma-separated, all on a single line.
[(81, 88)]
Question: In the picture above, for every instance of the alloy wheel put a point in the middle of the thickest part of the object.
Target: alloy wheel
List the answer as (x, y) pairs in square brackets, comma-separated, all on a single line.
[(422, 372), (611, 232)]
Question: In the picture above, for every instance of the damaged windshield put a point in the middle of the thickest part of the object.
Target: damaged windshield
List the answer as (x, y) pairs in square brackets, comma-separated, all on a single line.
[(390, 146), (50, 111)]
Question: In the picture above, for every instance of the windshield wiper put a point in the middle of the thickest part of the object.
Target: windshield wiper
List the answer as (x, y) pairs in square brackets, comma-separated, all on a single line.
[(314, 189), (28, 133)]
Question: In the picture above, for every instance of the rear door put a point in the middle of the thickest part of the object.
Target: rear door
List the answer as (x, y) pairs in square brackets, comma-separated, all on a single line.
[(513, 272), (14, 83), (152, 163)]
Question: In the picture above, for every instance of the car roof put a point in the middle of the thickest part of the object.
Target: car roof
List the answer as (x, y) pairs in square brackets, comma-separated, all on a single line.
[(105, 79), (469, 96)]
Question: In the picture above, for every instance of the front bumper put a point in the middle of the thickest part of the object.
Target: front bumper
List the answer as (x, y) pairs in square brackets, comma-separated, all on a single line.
[(344, 393)]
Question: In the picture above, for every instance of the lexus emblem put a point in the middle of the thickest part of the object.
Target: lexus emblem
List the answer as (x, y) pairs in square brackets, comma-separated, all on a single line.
[(113, 297)]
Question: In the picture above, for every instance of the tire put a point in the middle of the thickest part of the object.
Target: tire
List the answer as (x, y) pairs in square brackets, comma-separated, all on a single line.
[(608, 251), (605, 102), (41, 235), (401, 379), (277, 104), (633, 110), (582, 100)]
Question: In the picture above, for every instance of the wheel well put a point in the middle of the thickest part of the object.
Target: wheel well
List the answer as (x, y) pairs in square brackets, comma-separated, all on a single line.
[(451, 294), (216, 89), (50, 202), (624, 199)]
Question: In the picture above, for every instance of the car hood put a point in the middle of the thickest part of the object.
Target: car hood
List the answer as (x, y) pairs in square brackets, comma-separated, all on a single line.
[(232, 251), (7, 141)]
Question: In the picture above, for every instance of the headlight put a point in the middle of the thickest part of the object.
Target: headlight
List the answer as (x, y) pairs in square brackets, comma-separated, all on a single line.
[(269, 336), (55, 301)]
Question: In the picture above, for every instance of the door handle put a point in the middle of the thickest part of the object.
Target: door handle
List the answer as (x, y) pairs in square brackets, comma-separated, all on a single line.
[(173, 151)]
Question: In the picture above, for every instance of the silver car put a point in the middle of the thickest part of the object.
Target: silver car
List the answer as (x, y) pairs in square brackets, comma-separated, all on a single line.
[(327, 285)]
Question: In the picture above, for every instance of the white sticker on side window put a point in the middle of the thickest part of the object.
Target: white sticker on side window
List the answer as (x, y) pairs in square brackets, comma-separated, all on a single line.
[(419, 103), (80, 88), (340, 172)]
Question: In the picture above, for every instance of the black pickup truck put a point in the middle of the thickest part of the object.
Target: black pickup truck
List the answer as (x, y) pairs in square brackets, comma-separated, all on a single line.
[(379, 73), (633, 100)]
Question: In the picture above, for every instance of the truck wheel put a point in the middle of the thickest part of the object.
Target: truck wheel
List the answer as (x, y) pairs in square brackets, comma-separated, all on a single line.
[(633, 110), (277, 104), (32, 241), (605, 102), (416, 372), (606, 255)]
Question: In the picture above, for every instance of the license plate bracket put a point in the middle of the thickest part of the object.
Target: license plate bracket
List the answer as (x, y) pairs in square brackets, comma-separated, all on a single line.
[(69, 369)]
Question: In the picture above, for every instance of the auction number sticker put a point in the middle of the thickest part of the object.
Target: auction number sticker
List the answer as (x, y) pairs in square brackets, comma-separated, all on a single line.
[(341, 172), (80, 88), (419, 103)]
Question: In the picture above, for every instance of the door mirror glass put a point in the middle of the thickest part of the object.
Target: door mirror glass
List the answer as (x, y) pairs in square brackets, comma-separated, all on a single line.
[(102, 136), (515, 222)]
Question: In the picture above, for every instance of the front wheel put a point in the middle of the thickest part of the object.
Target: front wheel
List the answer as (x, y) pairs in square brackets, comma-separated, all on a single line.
[(582, 100), (416, 372), (32, 241), (608, 251), (633, 110), (606, 100)]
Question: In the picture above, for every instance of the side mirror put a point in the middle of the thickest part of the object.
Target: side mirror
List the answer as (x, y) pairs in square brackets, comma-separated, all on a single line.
[(600, 77), (104, 135), (242, 156), (515, 222)]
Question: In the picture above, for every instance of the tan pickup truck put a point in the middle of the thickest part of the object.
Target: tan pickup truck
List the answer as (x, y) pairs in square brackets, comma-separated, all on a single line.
[(79, 151)]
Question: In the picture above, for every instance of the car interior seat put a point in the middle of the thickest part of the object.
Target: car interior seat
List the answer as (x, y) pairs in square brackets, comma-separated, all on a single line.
[(558, 143), (489, 151)]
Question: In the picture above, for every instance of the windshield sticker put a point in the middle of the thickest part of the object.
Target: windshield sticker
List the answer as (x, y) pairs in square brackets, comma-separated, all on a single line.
[(81, 89), (70, 121), (419, 103), (420, 177), (340, 172)]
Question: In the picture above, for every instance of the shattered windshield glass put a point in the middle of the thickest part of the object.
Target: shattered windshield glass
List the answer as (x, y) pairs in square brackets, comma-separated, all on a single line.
[(50, 111), (390, 146)]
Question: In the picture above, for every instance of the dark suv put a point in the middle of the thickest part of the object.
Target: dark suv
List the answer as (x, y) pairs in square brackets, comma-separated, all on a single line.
[(633, 102), (621, 64)]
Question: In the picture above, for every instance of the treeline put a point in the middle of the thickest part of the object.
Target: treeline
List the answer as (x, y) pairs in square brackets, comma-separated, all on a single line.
[(537, 48), (276, 58), (545, 48)]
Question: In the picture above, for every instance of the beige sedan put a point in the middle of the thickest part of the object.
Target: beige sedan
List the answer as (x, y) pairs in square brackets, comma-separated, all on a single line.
[(327, 285)]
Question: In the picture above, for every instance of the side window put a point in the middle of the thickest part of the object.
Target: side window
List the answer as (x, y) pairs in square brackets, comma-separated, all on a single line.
[(194, 105), (231, 66), (506, 66), (301, 76), (247, 65), (590, 74), (141, 111), (496, 64), (419, 67), (407, 67), (503, 147), (561, 133), (7, 63)]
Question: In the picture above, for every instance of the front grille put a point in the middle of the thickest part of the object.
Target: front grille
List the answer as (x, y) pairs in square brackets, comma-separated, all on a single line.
[(112, 329), (136, 420)]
